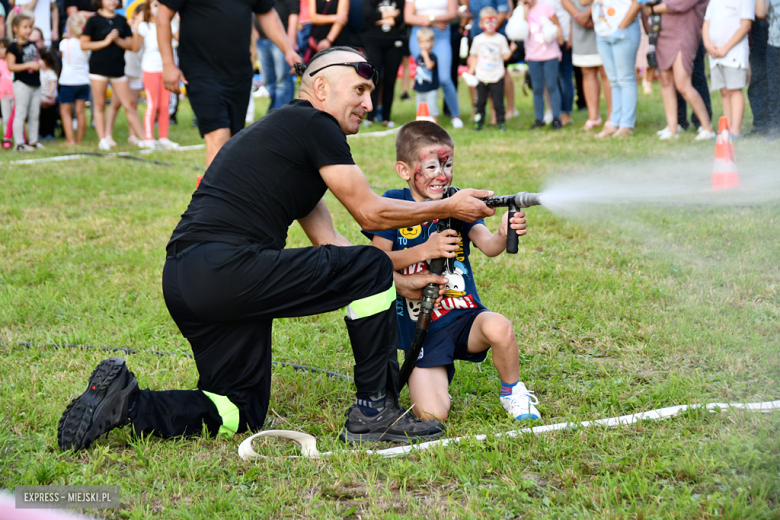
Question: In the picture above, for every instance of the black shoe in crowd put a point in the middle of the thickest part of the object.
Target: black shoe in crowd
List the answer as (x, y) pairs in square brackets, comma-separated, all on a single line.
[(501, 127), (105, 405), (556, 124), (404, 96), (392, 424), (537, 124)]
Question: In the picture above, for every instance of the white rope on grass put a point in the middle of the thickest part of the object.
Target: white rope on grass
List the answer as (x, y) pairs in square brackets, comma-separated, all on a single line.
[(308, 442), (72, 157)]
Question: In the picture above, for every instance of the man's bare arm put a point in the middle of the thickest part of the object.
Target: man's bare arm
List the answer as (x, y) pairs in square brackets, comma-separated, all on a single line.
[(376, 213), (171, 73), (318, 226)]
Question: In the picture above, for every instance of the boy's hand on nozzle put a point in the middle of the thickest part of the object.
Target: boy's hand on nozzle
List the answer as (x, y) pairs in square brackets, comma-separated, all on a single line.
[(518, 224), (466, 206), (442, 245)]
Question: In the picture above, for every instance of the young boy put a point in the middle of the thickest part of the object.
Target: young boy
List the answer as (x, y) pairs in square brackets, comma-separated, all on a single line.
[(489, 51), (426, 79), (726, 26), (461, 327)]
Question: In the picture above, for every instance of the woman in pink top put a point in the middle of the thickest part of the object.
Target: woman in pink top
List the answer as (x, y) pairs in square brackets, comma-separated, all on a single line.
[(542, 54), (6, 92), (676, 49)]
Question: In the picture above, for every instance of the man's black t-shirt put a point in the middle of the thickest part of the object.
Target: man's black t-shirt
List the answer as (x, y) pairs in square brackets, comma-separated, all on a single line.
[(215, 36), (266, 177), (26, 53), (111, 60)]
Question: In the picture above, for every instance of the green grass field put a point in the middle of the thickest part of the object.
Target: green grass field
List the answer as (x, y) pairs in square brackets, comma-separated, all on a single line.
[(609, 322)]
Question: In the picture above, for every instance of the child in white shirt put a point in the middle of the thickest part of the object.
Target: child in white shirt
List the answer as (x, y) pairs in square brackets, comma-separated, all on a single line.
[(74, 80), (489, 50), (724, 33)]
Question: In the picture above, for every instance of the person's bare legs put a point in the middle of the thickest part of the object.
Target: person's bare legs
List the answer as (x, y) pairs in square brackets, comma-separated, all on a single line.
[(682, 81), (406, 80), (113, 111), (81, 119), (607, 88), (99, 106), (215, 140), (67, 123), (429, 393), (122, 90), (509, 92), (737, 104), (669, 97), (492, 330), (727, 108), (592, 93)]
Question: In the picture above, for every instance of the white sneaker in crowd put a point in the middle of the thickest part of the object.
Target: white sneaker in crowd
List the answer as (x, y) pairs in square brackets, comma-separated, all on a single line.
[(104, 145), (548, 117), (457, 122), (520, 403), (150, 144), (167, 144), (705, 135), (666, 130), (512, 113), (110, 141), (368, 122), (667, 135)]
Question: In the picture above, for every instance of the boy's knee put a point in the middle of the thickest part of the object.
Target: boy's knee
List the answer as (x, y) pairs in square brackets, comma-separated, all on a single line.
[(439, 412), (499, 331)]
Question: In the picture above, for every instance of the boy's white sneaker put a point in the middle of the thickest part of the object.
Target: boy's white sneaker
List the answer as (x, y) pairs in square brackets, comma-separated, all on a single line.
[(705, 135), (548, 117), (167, 144), (457, 122), (520, 403), (667, 135), (104, 145)]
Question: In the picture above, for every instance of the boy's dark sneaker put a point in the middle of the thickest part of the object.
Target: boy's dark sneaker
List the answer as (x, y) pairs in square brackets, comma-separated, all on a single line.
[(502, 127), (404, 96), (537, 124), (556, 124), (101, 408), (479, 125), (391, 424)]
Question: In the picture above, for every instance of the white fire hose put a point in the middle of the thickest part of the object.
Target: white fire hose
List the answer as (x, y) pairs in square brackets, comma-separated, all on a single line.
[(309, 444)]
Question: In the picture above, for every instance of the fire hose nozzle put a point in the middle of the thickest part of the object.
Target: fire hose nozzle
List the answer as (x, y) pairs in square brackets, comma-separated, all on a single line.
[(525, 199)]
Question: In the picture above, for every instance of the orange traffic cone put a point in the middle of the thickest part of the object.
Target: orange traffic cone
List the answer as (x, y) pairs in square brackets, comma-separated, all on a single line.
[(423, 114), (724, 174)]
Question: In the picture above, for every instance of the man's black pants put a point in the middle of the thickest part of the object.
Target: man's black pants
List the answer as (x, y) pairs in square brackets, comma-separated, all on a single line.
[(224, 298), (496, 92)]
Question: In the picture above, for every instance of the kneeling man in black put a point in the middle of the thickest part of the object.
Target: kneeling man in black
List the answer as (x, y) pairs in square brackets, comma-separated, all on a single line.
[(227, 274)]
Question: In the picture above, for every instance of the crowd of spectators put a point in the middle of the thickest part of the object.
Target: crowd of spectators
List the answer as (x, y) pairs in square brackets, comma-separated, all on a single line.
[(59, 56)]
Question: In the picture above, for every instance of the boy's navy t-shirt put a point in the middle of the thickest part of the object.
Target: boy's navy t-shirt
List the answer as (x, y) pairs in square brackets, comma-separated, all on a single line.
[(461, 290), (426, 80)]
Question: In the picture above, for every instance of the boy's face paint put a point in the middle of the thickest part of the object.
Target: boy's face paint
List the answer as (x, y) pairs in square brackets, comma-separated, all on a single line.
[(433, 171), (489, 24)]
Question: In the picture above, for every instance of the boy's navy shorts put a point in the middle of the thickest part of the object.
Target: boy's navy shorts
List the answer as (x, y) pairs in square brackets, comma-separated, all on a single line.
[(70, 93), (444, 347)]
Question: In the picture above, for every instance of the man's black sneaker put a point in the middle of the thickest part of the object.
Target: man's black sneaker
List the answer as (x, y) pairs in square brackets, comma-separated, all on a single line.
[(101, 408), (556, 124), (537, 124), (392, 424)]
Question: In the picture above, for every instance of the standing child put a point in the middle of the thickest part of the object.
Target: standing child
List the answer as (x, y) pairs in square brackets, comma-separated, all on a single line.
[(74, 80), (726, 26), (134, 81), (49, 98), (543, 59), (108, 36), (23, 61), (6, 91), (151, 64), (461, 327), (770, 10), (426, 79), (489, 51)]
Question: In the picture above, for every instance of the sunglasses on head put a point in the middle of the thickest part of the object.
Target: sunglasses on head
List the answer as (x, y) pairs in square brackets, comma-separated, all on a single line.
[(363, 68)]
